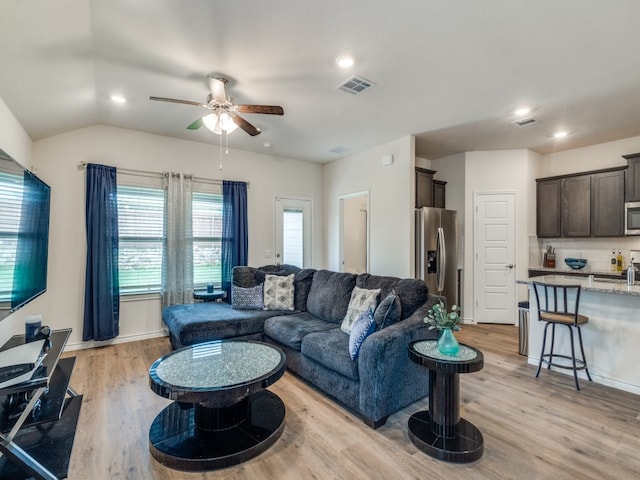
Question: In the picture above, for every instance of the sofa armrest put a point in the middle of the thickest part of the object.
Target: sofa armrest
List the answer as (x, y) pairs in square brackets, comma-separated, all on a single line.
[(384, 366)]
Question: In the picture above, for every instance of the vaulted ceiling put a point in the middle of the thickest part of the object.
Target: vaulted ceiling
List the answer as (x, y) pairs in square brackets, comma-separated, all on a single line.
[(449, 72)]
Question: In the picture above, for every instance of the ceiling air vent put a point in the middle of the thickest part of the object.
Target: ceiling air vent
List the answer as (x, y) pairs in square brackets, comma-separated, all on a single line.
[(355, 85), (339, 149), (521, 122)]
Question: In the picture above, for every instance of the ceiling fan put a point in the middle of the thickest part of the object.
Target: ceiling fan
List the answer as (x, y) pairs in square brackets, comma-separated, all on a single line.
[(224, 114)]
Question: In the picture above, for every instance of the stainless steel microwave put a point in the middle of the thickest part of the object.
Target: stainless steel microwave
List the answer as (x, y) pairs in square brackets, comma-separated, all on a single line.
[(632, 218)]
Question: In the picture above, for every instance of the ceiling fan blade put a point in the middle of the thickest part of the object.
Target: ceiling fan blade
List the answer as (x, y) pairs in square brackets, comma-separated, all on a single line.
[(196, 125), (244, 125), (174, 100), (266, 109), (216, 85)]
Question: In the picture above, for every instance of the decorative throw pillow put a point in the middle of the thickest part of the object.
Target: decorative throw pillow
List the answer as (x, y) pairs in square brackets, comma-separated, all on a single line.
[(278, 292), (364, 326), (247, 298), (389, 311), (361, 301)]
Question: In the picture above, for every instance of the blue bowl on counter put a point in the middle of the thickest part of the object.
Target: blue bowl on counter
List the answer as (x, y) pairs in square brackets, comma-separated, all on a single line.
[(575, 263)]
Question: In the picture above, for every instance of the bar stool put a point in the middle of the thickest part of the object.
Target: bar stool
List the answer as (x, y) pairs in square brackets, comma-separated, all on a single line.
[(559, 306)]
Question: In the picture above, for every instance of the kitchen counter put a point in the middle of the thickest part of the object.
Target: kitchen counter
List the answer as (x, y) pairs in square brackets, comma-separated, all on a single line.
[(582, 272), (601, 285), (611, 336)]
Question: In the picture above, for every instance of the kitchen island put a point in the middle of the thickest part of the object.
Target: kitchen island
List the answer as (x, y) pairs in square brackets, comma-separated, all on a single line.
[(612, 336)]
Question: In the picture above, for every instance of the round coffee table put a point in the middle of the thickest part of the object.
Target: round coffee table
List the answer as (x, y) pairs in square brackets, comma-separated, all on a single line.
[(440, 432), (222, 415)]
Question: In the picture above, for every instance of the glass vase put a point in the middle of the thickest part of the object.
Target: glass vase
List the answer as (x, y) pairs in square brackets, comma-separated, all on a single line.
[(447, 343)]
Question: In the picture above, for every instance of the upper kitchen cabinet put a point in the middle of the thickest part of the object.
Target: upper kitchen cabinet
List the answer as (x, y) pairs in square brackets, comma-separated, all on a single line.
[(439, 190), (576, 206), (424, 187), (589, 204), (548, 205), (633, 177), (607, 204)]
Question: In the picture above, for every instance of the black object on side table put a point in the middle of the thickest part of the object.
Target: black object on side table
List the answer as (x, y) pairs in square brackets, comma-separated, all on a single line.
[(209, 296), (39, 416), (440, 432)]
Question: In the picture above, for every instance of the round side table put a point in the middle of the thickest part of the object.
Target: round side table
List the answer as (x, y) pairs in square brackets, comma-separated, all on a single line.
[(440, 432)]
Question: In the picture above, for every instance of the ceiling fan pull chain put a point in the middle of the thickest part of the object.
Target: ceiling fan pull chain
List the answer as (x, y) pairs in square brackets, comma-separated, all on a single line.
[(220, 153)]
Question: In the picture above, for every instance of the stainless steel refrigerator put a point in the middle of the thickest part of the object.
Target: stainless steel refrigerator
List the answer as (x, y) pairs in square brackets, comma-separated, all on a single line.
[(436, 251)]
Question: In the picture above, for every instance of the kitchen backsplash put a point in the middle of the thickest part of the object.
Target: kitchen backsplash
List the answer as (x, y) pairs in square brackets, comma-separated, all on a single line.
[(596, 250)]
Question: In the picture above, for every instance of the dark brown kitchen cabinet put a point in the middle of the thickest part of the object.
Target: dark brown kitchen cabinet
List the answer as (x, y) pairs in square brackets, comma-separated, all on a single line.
[(439, 190), (424, 187), (633, 177), (548, 206), (576, 206), (607, 204)]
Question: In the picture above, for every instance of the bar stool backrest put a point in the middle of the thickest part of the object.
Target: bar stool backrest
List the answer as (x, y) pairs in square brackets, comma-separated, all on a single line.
[(557, 300)]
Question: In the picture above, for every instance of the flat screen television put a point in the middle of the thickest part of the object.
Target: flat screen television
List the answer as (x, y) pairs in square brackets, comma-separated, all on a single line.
[(24, 235)]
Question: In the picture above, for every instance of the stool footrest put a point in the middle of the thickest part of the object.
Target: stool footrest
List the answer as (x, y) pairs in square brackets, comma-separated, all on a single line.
[(580, 364)]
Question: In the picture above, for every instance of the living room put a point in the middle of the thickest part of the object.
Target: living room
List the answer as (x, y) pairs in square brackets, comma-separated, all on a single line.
[(58, 159)]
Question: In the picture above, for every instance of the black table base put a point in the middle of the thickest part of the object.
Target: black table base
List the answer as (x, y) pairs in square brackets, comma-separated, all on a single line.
[(176, 441), (465, 446)]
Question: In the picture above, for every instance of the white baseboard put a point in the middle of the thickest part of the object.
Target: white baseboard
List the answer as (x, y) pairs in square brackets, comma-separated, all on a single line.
[(115, 341)]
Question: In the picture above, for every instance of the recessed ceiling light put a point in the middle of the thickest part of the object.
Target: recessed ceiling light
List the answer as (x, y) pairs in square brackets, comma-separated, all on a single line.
[(118, 99), (521, 112), (345, 61), (561, 134), (267, 144)]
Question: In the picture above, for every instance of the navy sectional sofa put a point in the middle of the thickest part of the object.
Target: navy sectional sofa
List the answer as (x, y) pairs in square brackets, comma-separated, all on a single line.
[(381, 381)]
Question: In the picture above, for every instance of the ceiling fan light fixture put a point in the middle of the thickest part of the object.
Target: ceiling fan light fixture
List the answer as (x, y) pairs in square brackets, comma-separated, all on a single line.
[(211, 122), (226, 123)]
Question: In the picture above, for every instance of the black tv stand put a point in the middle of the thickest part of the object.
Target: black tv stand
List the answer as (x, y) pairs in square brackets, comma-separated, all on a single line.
[(36, 439)]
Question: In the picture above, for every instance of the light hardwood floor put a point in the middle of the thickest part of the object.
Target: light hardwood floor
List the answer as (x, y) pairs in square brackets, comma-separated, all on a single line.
[(533, 428)]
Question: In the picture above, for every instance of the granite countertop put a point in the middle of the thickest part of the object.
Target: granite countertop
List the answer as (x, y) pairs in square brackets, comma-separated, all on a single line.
[(583, 272), (618, 287)]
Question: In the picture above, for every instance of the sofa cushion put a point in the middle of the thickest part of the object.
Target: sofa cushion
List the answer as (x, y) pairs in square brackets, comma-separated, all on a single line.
[(330, 294), (364, 326), (331, 350), (278, 292), (203, 322), (250, 298), (361, 301), (412, 291), (302, 285), (289, 330), (389, 311)]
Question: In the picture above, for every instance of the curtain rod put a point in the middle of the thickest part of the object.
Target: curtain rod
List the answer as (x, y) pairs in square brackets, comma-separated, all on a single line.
[(147, 173)]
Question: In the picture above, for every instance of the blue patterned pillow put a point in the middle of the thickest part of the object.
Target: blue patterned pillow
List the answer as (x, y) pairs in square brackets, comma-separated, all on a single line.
[(247, 298), (364, 326)]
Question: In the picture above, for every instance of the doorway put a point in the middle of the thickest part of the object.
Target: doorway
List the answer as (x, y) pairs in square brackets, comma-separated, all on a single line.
[(354, 232), (293, 231), (494, 258)]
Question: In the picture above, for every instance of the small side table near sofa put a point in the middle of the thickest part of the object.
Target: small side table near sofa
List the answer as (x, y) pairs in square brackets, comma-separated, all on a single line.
[(440, 432)]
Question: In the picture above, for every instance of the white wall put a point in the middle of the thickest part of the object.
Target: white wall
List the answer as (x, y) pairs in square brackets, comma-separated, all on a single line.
[(391, 201), (499, 171), (15, 141), (57, 159), (595, 157)]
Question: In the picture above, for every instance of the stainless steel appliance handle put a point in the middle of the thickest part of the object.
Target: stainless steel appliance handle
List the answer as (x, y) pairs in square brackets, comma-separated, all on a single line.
[(442, 260)]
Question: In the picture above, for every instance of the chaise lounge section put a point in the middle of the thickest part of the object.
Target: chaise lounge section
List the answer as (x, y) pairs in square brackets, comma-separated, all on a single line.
[(379, 381)]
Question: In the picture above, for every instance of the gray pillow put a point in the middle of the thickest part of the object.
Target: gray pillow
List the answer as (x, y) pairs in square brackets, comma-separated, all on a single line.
[(247, 298), (361, 301), (389, 311), (278, 292)]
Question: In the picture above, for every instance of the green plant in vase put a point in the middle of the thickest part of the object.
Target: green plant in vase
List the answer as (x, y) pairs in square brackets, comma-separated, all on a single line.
[(446, 323)]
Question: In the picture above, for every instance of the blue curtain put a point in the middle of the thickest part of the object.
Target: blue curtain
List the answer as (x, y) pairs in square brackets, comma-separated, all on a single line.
[(235, 239), (30, 273), (101, 295)]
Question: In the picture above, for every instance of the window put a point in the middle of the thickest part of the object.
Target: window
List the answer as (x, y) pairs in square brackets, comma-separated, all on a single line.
[(292, 236), (10, 206), (140, 226), (207, 238)]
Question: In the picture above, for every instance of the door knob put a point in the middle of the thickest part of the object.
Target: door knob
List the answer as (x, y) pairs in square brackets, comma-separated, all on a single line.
[(510, 265)]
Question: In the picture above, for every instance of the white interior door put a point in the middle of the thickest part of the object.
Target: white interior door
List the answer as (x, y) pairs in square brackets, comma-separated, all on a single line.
[(494, 272), (354, 233), (293, 231)]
